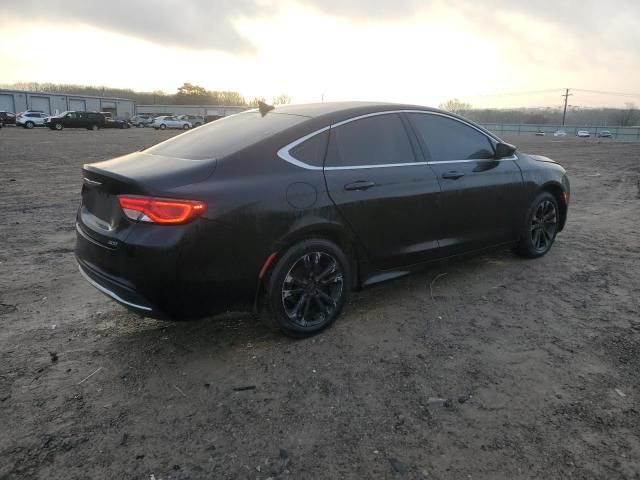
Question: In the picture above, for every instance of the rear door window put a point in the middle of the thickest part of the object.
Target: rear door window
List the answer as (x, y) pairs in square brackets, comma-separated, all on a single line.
[(448, 139), (370, 141)]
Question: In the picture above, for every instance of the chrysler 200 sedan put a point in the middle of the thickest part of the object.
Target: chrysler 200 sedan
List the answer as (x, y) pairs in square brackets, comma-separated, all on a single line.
[(289, 209)]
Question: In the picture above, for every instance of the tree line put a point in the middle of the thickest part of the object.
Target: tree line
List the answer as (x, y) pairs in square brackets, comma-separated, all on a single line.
[(621, 117), (186, 94)]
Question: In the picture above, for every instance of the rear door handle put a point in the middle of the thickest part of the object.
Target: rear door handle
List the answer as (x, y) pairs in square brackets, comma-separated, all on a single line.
[(453, 175), (359, 185)]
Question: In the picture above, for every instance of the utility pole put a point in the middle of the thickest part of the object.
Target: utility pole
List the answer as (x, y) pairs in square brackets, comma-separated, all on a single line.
[(566, 99)]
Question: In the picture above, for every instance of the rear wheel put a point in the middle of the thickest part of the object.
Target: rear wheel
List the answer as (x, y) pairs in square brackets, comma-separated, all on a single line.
[(29, 125), (307, 288), (540, 227)]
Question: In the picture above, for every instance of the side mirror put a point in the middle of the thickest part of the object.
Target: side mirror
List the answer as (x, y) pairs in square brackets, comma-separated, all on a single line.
[(504, 150)]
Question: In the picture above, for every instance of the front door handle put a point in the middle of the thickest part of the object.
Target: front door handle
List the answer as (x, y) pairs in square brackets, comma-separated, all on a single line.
[(359, 185), (453, 175)]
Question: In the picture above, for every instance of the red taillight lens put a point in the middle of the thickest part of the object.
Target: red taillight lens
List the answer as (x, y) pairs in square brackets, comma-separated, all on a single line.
[(164, 211)]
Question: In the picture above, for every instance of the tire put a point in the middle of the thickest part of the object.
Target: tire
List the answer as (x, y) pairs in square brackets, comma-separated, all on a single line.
[(29, 125), (94, 127), (307, 288), (540, 228), (58, 126), (185, 127), (163, 127)]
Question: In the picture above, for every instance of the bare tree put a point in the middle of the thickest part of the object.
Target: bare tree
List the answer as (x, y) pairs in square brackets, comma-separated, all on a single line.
[(254, 103), (283, 99), (627, 116), (455, 106)]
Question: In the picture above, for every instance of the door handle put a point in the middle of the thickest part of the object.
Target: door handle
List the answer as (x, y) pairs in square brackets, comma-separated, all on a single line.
[(359, 185), (453, 175)]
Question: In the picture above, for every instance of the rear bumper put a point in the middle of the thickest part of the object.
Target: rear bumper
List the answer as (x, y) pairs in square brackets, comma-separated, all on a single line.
[(180, 272), (121, 294)]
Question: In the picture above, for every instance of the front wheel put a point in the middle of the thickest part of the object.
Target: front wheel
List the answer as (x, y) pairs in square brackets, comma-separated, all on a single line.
[(58, 126), (540, 228), (163, 127), (29, 125), (185, 127), (307, 288)]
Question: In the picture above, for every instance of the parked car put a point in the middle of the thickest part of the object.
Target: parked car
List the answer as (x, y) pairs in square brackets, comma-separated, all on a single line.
[(194, 120), (291, 210), (539, 133), (212, 118), (583, 133), (30, 119), (7, 118), (605, 134), (110, 122), (170, 121), (72, 119), (559, 133), (142, 120)]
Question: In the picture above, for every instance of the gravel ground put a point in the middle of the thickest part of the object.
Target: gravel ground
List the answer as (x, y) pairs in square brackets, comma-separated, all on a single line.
[(485, 367)]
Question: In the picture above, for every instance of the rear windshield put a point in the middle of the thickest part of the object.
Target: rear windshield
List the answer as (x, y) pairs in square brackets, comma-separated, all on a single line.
[(225, 136)]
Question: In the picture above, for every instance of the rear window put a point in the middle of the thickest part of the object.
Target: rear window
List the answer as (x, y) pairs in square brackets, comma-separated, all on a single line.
[(225, 136)]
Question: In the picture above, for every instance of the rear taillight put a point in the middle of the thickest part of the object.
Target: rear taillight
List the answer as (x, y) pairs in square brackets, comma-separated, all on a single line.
[(162, 211)]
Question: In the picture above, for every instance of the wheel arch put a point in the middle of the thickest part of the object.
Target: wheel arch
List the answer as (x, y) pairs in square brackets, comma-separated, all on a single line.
[(556, 189), (331, 231)]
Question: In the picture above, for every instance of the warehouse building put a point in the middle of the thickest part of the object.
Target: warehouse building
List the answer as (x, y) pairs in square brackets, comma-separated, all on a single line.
[(54, 103), (210, 111)]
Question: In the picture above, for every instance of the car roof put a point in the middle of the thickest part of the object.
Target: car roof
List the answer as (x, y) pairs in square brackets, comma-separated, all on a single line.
[(314, 110), (334, 112)]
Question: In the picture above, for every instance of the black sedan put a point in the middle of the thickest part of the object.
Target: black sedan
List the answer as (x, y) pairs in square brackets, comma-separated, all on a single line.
[(114, 123), (287, 210)]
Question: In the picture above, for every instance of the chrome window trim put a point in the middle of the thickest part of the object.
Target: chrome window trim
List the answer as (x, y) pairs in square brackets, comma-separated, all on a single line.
[(111, 294), (285, 155)]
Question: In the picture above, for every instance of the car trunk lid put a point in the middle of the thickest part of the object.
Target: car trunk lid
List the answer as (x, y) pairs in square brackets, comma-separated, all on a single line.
[(100, 215)]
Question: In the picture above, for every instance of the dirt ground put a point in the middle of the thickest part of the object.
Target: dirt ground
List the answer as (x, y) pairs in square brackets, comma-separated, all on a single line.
[(485, 367)]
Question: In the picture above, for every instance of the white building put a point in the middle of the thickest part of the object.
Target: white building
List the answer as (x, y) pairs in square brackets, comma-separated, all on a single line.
[(200, 110), (53, 103)]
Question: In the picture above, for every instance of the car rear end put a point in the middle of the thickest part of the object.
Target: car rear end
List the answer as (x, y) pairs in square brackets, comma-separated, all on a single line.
[(176, 230), (132, 233), (20, 120)]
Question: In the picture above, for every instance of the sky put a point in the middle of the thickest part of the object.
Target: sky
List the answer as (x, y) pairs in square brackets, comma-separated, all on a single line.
[(421, 52)]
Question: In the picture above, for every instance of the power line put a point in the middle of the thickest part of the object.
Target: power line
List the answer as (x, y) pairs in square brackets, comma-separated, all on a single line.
[(511, 94), (619, 94)]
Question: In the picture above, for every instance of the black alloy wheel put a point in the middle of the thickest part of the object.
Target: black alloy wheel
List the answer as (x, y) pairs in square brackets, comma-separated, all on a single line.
[(312, 288), (541, 227), (307, 288), (544, 225)]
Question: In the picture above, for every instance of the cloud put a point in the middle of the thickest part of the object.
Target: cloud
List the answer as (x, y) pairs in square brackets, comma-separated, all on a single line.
[(194, 24), (210, 25)]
